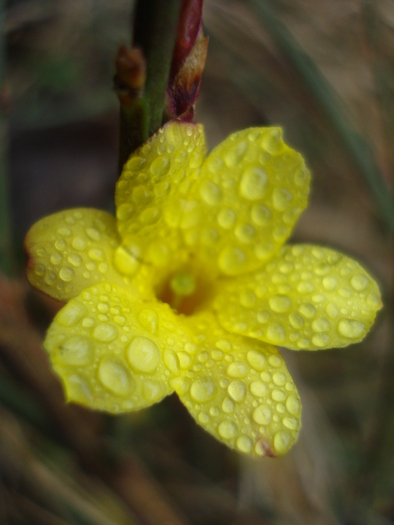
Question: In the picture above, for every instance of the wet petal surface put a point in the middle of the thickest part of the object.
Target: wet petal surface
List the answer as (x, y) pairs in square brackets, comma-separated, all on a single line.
[(251, 190), (240, 391), (150, 194), (114, 353), (306, 298)]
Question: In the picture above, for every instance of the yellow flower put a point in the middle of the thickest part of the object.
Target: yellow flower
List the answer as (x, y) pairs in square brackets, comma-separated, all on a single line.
[(189, 288)]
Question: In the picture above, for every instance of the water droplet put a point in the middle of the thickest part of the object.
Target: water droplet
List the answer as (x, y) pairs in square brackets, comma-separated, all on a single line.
[(143, 355), (282, 441), (184, 360), (373, 301), (308, 310), (237, 391), (321, 340), (39, 270), (245, 233), (105, 332), (75, 260), (305, 287), (330, 283), (150, 216), (96, 254), (78, 243), (238, 369), (135, 163), (320, 325), (261, 215), (231, 260), (152, 390), (76, 350), (244, 444), (93, 234), (293, 405), (279, 303), (253, 183), (227, 405), (256, 360), (171, 361), (203, 390), (203, 418), (290, 422), (160, 166), (301, 177), (351, 329), (247, 298), (332, 310), (224, 345), (124, 212), (125, 262), (233, 156), (60, 245), (71, 314), (262, 415), (359, 282), (66, 274), (88, 322), (296, 320), (276, 333), (56, 259), (227, 429), (278, 395), (279, 378), (149, 320), (211, 193), (281, 198), (64, 232), (275, 361), (115, 377), (226, 218), (258, 389), (272, 141)]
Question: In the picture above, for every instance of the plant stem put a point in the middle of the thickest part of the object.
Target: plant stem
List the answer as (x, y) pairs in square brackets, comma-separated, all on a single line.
[(155, 31), (5, 223)]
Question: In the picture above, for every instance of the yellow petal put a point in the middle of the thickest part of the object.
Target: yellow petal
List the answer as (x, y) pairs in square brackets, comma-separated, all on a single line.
[(251, 191), (72, 250), (151, 191), (307, 298), (112, 352), (240, 391)]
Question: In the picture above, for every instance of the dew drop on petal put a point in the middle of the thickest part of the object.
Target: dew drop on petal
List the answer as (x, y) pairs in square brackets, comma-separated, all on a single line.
[(66, 274), (256, 360), (227, 405), (115, 377), (253, 183), (293, 404), (279, 303), (359, 282), (237, 369), (244, 444), (282, 441), (350, 328), (71, 314), (105, 332), (237, 391), (202, 390), (143, 355), (262, 415), (227, 429)]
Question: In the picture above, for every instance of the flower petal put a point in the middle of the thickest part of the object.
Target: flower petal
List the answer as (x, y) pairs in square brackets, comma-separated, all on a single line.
[(70, 251), (307, 298), (240, 391), (243, 206), (151, 191), (112, 352)]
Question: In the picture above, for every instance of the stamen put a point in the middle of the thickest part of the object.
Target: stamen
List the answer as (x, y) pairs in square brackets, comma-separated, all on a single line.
[(183, 284)]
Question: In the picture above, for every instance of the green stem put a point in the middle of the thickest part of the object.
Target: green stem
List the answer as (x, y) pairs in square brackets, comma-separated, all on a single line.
[(5, 223), (155, 31)]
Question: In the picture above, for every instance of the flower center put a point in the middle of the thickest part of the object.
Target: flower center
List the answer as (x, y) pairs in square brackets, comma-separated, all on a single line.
[(185, 292)]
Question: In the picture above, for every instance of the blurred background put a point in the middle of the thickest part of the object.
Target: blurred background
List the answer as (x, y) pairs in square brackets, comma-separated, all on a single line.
[(324, 70)]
